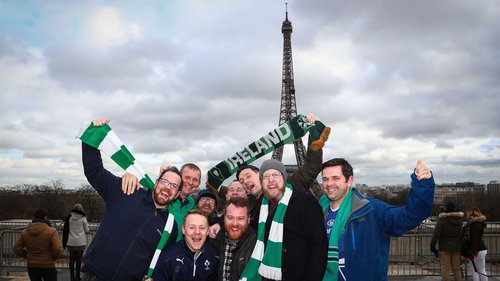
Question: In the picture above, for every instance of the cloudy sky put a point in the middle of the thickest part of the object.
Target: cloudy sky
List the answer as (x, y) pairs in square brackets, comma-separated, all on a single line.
[(196, 81)]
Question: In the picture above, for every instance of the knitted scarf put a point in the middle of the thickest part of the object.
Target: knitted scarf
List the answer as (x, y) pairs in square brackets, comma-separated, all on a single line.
[(104, 139), (296, 128), (332, 267), (266, 259)]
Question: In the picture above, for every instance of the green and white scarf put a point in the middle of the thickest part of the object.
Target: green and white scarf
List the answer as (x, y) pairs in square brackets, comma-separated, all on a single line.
[(296, 128), (104, 139), (332, 266), (266, 259)]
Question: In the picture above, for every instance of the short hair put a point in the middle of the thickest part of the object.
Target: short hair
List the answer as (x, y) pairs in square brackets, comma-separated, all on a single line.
[(172, 169), (40, 213), (345, 166), (194, 212), (240, 203), (246, 166), (191, 166)]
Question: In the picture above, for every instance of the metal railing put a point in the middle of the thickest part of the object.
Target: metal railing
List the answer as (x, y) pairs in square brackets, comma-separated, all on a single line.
[(410, 254)]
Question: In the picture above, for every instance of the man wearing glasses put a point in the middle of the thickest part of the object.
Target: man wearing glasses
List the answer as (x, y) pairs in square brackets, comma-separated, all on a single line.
[(132, 225), (206, 202), (291, 241)]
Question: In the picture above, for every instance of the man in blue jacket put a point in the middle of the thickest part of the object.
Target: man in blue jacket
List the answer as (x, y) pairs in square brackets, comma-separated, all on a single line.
[(132, 225), (359, 228)]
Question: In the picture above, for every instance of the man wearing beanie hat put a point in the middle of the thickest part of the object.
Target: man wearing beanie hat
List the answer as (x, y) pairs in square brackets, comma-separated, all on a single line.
[(302, 178), (206, 202), (294, 236)]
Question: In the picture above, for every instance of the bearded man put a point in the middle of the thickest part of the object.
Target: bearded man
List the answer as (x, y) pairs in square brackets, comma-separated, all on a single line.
[(290, 243), (235, 241), (132, 225)]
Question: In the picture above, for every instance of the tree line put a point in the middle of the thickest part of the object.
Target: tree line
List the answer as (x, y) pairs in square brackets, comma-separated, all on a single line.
[(19, 201)]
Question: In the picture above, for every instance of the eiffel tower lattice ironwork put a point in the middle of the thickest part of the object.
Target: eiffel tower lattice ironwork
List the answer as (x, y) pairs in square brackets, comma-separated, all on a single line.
[(288, 108)]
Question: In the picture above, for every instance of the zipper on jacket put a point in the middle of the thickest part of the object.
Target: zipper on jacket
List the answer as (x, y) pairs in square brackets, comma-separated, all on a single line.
[(196, 255)]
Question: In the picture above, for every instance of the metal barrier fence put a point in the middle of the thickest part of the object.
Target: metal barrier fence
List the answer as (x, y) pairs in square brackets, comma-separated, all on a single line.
[(410, 254)]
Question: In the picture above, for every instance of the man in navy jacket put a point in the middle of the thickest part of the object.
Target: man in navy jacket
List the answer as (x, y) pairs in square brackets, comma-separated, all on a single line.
[(132, 225)]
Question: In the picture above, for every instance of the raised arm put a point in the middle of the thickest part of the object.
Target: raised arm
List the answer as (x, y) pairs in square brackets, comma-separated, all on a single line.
[(306, 174), (418, 206), (103, 181)]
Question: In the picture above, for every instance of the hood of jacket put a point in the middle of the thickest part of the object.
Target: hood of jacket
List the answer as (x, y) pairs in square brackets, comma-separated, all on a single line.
[(76, 216), (453, 218), (480, 219)]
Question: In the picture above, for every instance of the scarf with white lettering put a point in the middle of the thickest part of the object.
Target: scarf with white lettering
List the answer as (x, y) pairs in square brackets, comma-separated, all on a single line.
[(332, 266), (296, 128), (104, 139), (266, 259)]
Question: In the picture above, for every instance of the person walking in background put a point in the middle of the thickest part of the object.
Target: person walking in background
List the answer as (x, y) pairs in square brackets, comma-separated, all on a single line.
[(75, 228), (448, 236), (473, 232), (39, 244)]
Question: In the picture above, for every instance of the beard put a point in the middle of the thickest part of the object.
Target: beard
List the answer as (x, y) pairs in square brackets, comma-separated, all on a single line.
[(242, 229), (160, 200)]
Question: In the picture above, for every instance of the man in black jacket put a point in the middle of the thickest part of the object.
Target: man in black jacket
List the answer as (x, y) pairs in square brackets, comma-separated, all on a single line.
[(236, 241)]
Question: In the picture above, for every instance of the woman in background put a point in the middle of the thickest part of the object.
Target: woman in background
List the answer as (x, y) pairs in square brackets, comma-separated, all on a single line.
[(476, 223), (74, 239)]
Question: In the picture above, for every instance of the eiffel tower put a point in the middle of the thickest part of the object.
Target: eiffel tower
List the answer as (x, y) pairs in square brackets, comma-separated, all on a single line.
[(288, 109)]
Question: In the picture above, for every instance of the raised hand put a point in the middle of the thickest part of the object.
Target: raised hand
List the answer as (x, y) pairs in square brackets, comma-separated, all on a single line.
[(100, 122), (130, 183), (421, 171)]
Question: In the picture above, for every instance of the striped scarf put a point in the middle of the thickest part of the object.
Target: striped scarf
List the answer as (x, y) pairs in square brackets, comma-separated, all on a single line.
[(104, 139), (332, 266), (296, 128), (266, 259)]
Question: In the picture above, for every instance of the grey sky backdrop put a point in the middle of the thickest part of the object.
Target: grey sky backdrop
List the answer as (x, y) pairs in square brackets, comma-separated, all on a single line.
[(196, 81)]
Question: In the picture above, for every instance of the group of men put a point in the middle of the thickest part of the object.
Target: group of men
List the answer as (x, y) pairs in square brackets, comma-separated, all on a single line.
[(272, 227)]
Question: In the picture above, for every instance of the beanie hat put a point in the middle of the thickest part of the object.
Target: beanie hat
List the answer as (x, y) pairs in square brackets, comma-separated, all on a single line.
[(450, 207), (40, 213), (273, 164), (246, 166), (206, 193)]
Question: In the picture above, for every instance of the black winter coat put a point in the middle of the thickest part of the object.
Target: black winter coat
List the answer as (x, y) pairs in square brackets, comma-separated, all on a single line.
[(241, 254)]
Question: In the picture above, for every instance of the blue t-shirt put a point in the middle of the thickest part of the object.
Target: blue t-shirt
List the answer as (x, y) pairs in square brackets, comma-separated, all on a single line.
[(330, 220)]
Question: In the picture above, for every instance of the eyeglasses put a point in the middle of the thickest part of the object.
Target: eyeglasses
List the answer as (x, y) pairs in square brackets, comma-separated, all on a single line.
[(207, 199), (168, 184), (269, 176)]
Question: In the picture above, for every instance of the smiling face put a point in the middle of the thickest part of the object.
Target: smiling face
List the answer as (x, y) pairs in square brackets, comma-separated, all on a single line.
[(166, 189), (191, 181), (250, 181), (236, 221), (273, 184), (195, 230), (206, 205), (335, 185), (236, 189)]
